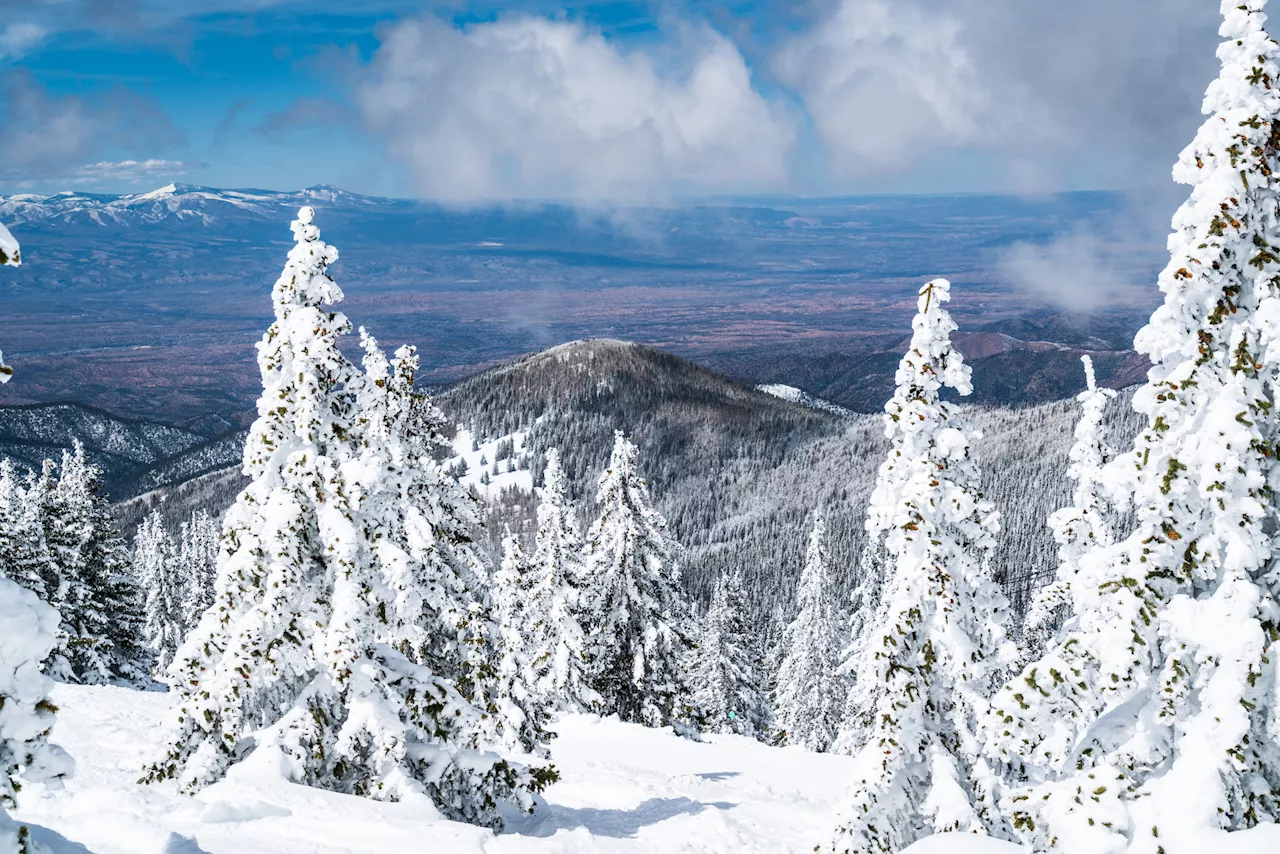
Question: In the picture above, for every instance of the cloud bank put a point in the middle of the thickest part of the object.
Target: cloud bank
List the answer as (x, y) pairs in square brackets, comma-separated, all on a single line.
[(529, 107)]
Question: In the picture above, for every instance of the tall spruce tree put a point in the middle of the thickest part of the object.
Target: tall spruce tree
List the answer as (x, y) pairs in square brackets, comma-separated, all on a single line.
[(810, 694), (198, 543), (1153, 720), (557, 642), (10, 255), (937, 642), (27, 627), (1081, 527), (89, 579), (636, 607), (526, 712), (321, 640), (156, 566), (33, 566), (12, 543), (727, 666)]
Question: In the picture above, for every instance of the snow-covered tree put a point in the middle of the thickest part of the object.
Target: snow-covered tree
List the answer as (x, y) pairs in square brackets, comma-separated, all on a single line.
[(10, 255), (198, 542), (89, 580), (27, 628), (727, 668), (1154, 718), (557, 642), (809, 694), (873, 568), (524, 711), (29, 561), (937, 642), (1082, 527), (12, 543), (325, 641), (156, 566), (633, 601)]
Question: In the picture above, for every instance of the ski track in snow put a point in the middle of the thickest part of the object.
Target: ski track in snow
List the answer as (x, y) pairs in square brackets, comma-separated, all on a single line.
[(623, 788)]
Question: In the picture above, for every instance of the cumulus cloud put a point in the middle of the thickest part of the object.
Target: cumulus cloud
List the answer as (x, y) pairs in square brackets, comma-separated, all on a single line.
[(17, 38), (1092, 92), (886, 82), (529, 107), (51, 137)]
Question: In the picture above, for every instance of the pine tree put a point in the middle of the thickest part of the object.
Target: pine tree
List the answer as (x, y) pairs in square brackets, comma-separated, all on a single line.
[(727, 666), (873, 566), (524, 712), (636, 607), (937, 642), (27, 627), (199, 540), (419, 524), (1153, 719), (101, 638), (10, 255), (557, 642), (33, 565), (809, 693), (156, 566), (12, 543), (1082, 527), (323, 640)]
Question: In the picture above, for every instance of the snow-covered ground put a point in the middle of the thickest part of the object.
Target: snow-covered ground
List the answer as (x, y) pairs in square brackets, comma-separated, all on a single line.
[(506, 478), (803, 398), (623, 788)]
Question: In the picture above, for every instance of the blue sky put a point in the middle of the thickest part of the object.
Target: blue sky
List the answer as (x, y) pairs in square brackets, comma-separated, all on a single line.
[(471, 102)]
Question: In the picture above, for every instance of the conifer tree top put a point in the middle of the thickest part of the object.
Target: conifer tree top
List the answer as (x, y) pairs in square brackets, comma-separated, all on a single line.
[(10, 254)]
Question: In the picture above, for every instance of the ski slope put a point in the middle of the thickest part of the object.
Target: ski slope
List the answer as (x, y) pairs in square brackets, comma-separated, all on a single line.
[(623, 788)]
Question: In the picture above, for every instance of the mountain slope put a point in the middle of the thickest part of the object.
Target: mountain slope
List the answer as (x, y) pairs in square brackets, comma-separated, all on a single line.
[(121, 446)]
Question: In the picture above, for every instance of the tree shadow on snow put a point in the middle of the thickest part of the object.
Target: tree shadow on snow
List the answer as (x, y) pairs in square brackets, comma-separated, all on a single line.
[(54, 841), (614, 824)]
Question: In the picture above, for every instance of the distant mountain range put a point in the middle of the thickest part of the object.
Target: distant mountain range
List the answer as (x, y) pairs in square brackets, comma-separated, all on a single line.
[(151, 303)]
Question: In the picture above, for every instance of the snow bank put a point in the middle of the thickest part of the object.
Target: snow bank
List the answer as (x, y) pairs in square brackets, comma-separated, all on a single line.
[(624, 788)]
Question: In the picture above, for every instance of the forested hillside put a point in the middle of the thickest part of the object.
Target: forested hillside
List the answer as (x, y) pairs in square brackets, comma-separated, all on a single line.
[(737, 472)]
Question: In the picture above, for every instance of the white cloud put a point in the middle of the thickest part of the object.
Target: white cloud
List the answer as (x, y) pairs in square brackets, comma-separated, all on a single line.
[(131, 171), (1043, 94), (528, 107), (885, 83), (17, 39)]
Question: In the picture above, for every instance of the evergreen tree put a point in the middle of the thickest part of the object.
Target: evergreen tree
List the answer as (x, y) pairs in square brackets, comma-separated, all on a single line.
[(322, 641), (33, 565), (864, 604), (1162, 690), (156, 566), (101, 638), (199, 541), (27, 627), (810, 694), (12, 543), (525, 712), (937, 643), (10, 255), (1082, 527), (557, 642), (636, 608), (727, 667)]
